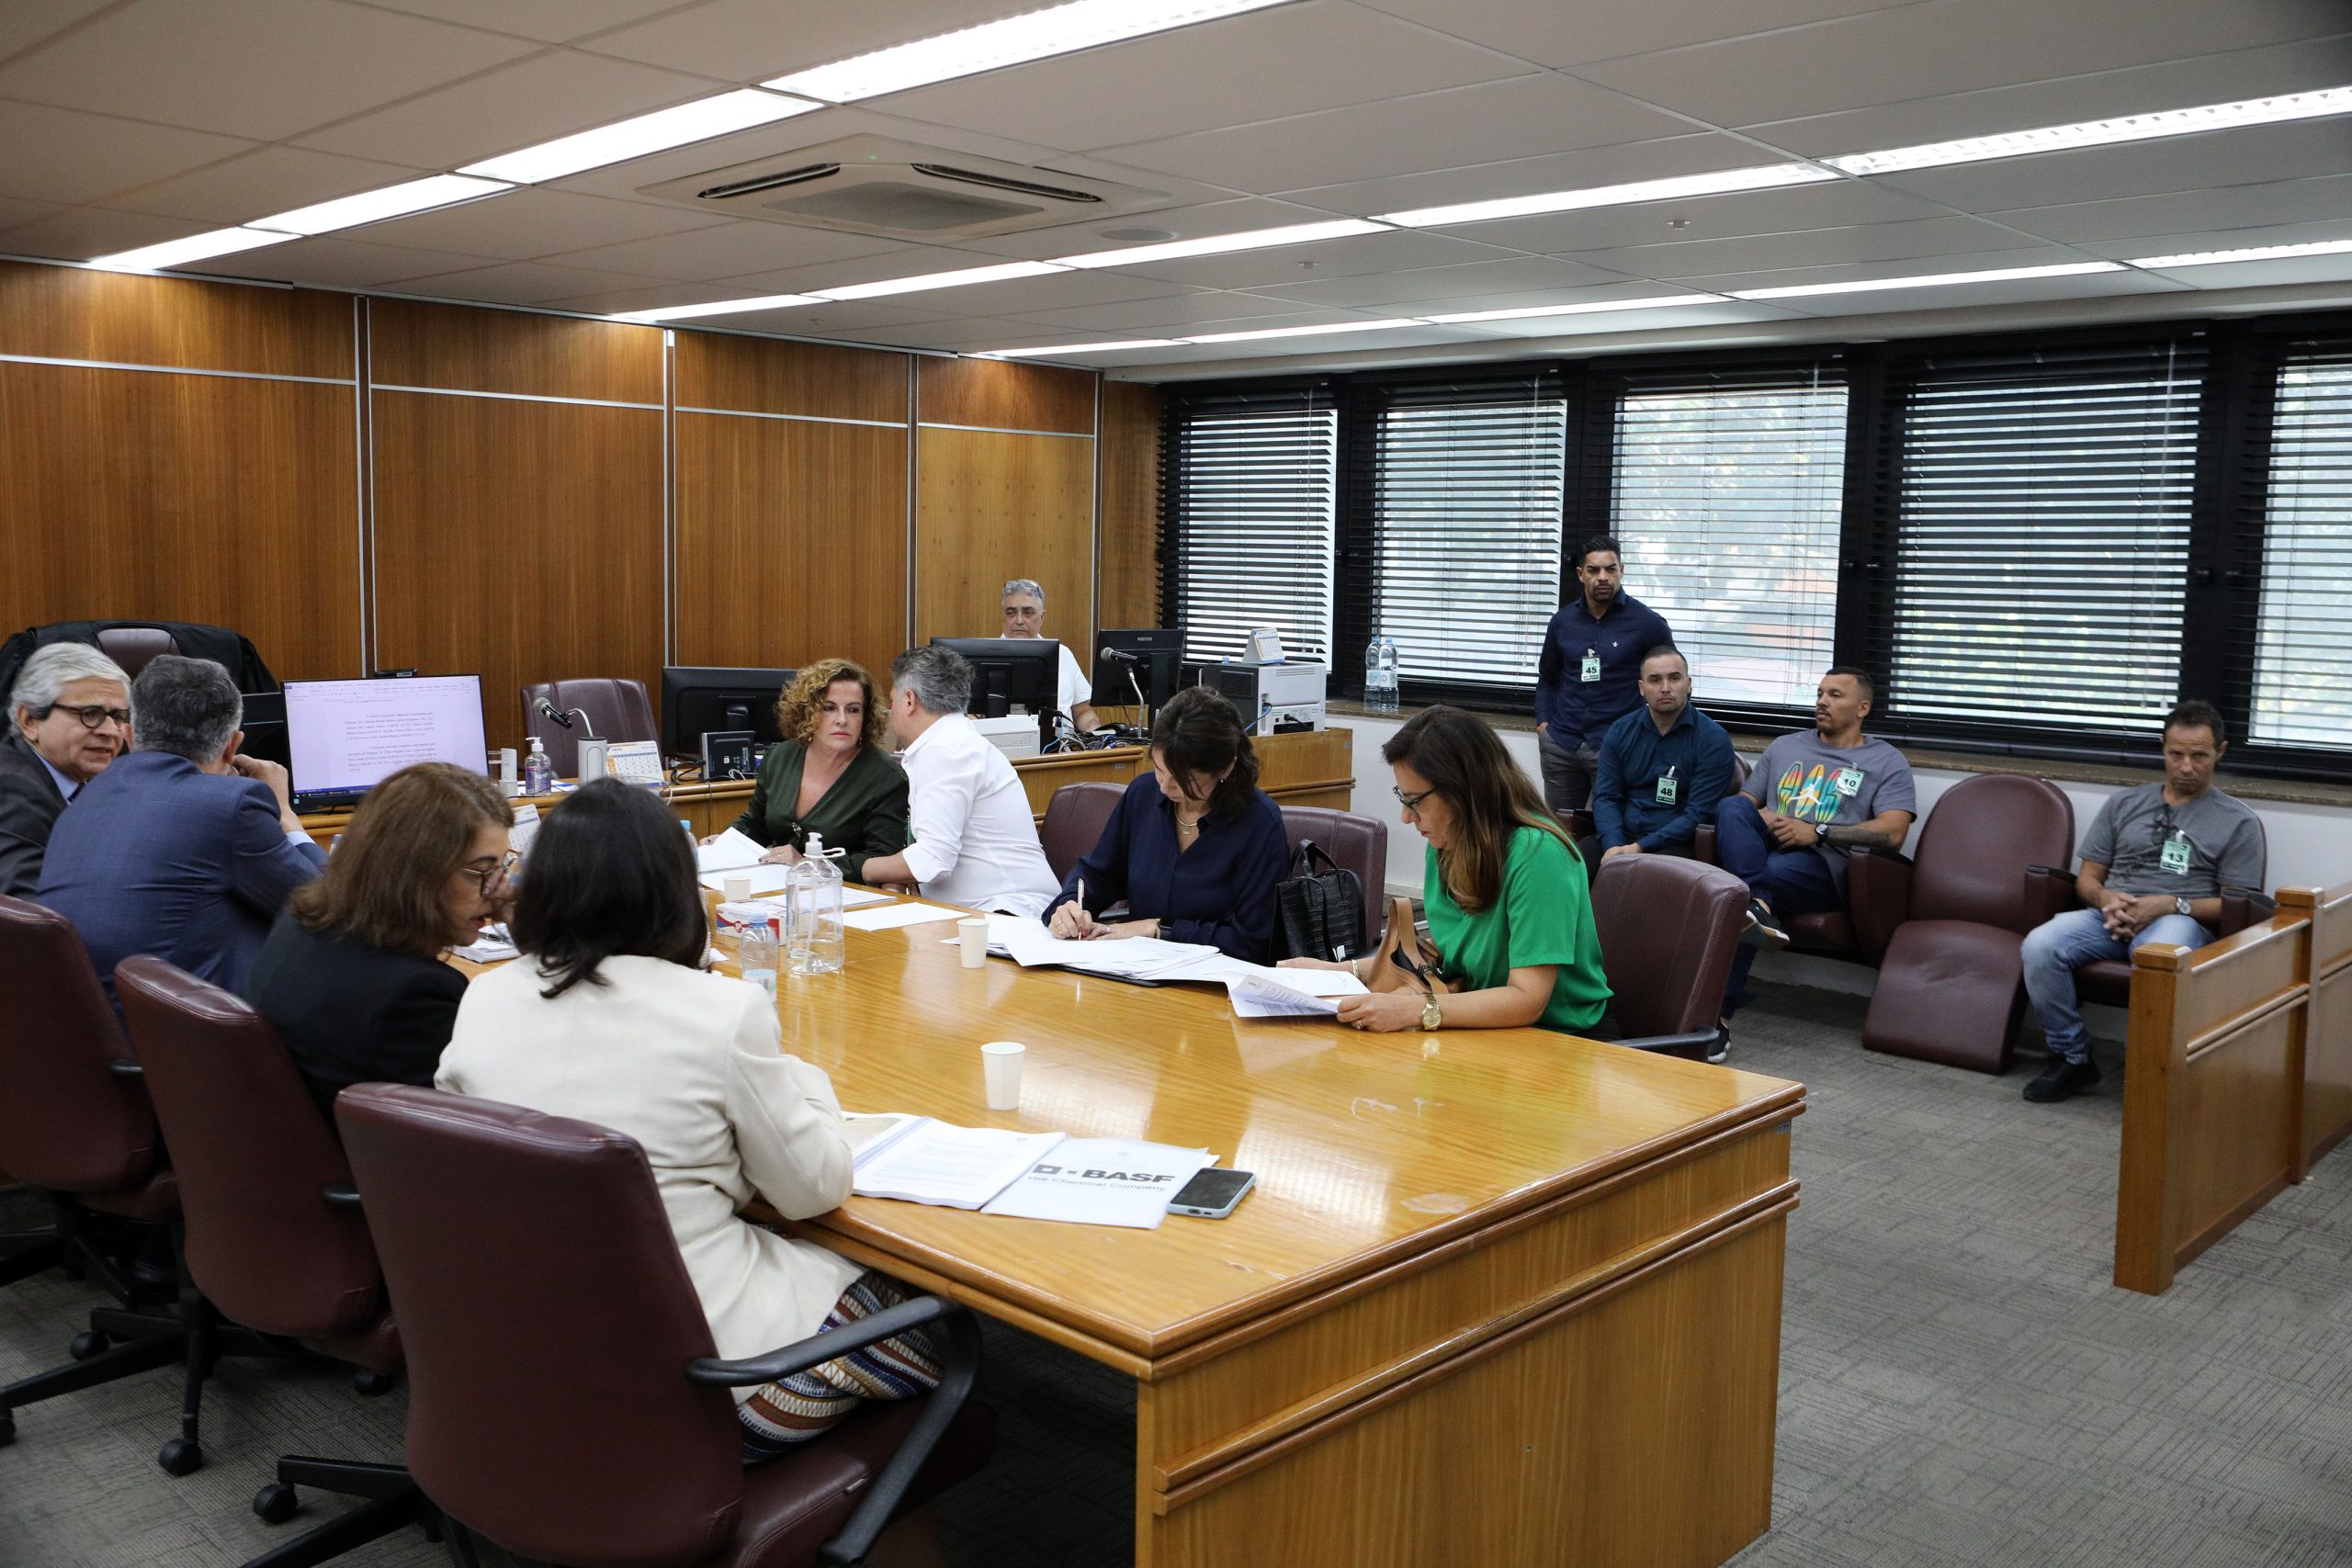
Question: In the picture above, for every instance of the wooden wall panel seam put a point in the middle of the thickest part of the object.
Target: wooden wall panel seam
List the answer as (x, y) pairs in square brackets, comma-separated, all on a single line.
[(798, 418), (669, 500), (509, 397), (175, 370), (1011, 430), (362, 481)]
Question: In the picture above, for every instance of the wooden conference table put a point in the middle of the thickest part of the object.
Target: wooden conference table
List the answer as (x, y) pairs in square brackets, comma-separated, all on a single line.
[(1500, 1297)]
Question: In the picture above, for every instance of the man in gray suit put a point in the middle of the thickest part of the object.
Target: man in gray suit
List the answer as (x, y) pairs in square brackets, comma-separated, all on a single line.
[(70, 716)]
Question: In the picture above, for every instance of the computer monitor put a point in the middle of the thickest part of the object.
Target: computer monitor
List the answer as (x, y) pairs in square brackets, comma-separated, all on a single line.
[(698, 699), (264, 727), (343, 737), (1148, 658), (1009, 673)]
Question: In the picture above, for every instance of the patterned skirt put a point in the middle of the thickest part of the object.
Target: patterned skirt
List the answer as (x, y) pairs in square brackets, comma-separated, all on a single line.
[(782, 1415)]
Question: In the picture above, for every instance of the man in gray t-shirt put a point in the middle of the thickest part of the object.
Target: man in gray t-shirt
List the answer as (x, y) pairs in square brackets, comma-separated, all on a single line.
[(2155, 865), (1812, 800)]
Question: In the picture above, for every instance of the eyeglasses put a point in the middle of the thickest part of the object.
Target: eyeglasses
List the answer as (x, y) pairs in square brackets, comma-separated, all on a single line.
[(1411, 802), (92, 716), (488, 876)]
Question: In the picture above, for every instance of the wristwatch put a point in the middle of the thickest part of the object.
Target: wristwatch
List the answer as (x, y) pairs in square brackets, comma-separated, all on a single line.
[(1821, 832), (2181, 907), (1431, 1018)]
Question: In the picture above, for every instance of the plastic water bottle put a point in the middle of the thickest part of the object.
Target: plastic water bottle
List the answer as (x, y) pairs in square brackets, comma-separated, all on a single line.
[(1380, 675), (819, 941), (756, 954), (538, 769)]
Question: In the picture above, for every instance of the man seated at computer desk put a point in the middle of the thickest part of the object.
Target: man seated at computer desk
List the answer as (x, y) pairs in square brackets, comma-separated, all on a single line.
[(1023, 604)]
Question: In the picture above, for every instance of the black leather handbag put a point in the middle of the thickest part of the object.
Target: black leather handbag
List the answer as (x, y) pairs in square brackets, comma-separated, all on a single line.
[(1319, 909)]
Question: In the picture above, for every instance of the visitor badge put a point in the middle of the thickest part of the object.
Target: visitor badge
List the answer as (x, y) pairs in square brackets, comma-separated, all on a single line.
[(1849, 781), (1592, 665), (1667, 788), (2176, 855)]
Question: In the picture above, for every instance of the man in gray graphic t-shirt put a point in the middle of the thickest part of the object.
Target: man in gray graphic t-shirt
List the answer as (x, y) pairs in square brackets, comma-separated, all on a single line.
[(2156, 863)]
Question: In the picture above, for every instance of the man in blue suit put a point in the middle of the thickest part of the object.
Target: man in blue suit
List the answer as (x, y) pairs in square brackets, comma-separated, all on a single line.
[(181, 849)]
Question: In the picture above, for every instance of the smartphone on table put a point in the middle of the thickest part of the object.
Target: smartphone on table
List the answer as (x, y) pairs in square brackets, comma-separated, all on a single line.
[(1213, 1193)]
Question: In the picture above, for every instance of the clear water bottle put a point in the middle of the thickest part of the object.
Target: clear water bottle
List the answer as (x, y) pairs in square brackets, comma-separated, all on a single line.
[(1380, 675), (756, 954), (819, 941), (538, 769)]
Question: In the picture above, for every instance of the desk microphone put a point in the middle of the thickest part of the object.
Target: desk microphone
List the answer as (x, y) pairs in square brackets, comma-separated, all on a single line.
[(564, 716), (1121, 655)]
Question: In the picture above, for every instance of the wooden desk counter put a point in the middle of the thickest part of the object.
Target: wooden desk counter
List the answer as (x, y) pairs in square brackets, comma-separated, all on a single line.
[(1500, 1297)]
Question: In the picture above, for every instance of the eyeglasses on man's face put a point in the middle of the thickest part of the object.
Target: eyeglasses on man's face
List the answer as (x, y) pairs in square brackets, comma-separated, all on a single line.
[(94, 717), (489, 873)]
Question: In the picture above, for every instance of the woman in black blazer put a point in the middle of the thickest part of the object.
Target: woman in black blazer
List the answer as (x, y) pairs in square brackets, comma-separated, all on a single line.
[(352, 974)]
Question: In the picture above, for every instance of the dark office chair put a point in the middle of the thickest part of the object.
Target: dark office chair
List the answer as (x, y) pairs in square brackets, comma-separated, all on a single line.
[(1355, 844), (1076, 815), (75, 1122), (1951, 980), (274, 1234), (616, 710), (565, 1400), (1668, 927)]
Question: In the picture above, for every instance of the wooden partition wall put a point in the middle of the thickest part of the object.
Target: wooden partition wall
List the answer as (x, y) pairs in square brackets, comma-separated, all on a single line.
[(359, 483)]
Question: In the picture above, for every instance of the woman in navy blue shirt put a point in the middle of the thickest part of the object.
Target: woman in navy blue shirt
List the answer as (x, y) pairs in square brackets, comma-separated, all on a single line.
[(1194, 851)]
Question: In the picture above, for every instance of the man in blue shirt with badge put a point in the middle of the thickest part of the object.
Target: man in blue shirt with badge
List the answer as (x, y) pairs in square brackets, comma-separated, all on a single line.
[(1663, 767), (1589, 673)]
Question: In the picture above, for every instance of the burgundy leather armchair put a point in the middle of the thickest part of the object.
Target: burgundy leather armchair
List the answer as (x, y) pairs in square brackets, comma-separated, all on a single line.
[(1668, 927), (531, 1261), (1076, 815), (1951, 982), (617, 710), (1354, 842)]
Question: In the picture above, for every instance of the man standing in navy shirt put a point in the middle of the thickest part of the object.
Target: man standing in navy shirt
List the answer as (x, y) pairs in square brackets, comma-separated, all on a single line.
[(1589, 674)]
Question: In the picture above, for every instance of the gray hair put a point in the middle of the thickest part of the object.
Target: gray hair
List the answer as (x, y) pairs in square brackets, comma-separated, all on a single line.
[(1022, 585), (52, 668), (940, 678), (187, 707)]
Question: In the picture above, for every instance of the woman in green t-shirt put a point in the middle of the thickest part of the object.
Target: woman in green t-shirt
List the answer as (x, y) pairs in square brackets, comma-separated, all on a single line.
[(1508, 905)]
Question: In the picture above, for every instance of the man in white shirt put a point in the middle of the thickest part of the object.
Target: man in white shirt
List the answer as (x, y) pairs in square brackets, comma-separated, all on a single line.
[(974, 839), (1023, 603)]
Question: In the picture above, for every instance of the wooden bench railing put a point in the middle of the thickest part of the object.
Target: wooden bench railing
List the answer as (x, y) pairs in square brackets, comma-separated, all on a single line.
[(2237, 1078)]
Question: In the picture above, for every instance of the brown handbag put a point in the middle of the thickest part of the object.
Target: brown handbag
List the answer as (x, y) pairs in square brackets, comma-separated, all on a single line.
[(1408, 954)]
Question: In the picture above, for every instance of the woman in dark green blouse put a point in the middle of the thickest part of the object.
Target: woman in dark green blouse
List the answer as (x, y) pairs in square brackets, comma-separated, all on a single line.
[(827, 774)]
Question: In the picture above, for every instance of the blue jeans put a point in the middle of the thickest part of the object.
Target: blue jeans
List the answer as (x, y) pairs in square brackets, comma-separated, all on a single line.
[(2056, 948), (1794, 882)]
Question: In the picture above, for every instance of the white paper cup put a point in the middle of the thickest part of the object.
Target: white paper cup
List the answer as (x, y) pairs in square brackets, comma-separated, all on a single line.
[(739, 889), (1000, 1059), (974, 935)]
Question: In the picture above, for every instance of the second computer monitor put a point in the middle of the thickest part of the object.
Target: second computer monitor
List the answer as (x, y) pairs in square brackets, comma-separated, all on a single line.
[(1155, 659), (1009, 673), (696, 700)]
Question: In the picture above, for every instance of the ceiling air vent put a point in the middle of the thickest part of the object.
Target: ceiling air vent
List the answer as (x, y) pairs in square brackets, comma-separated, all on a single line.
[(871, 185)]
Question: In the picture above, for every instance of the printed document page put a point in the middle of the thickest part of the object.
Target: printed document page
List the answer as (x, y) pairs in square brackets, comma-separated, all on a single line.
[(731, 850), (1292, 993), (1102, 1181), (957, 1167)]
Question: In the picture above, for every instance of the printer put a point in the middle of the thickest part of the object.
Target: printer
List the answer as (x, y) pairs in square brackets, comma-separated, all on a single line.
[(1276, 697)]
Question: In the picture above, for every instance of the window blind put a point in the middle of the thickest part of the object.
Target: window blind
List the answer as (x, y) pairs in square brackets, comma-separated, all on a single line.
[(1725, 500), (1251, 495), (1462, 487), (2041, 537), (2303, 661)]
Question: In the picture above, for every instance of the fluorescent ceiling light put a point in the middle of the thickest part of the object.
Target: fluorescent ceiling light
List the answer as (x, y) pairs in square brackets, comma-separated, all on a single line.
[(1080, 348), (2252, 253), (1767, 176), (195, 248), (623, 140), (2100, 132), (1218, 244), (1039, 35), (1933, 280), (375, 205), (940, 280), (719, 308), (1310, 332), (1659, 302)]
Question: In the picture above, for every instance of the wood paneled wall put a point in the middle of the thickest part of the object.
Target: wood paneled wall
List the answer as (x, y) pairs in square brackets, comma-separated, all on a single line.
[(359, 483)]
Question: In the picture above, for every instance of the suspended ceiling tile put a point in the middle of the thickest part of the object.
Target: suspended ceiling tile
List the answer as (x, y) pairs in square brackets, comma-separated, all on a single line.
[(833, 319), (1168, 317), (516, 283), (1290, 60), (1186, 222), (329, 262), (25, 23), (82, 234), (1527, 280), (2326, 199), (2172, 84), (2266, 274), (1922, 239), (257, 184), (1326, 345), (968, 335), (1980, 261), (2256, 154), (1522, 117), (1961, 296), (1560, 35), (518, 106), (1062, 290), (1842, 204), (1947, 46), (13, 212), (551, 21), (1663, 159), (266, 69), (2328, 229), (730, 249), (900, 261), (1699, 314), (751, 40), (518, 224), (1388, 251), (65, 157)]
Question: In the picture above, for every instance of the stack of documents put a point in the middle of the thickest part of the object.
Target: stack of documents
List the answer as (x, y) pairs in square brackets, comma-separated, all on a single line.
[(1038, 1176), (1256, 990), (494, 946), (737, 853)]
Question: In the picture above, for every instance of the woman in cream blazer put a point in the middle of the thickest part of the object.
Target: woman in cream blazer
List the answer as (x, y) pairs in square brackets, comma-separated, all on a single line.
[(609, 1017)]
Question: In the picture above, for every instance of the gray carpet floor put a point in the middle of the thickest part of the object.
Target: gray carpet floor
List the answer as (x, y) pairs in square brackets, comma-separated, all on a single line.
[(1960, 1382)]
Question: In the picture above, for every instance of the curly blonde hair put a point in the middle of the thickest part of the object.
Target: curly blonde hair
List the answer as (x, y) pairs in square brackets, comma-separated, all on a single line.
[(798, 705)]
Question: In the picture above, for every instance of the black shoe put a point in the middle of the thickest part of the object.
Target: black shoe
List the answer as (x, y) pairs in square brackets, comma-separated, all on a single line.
[(2061, 1079), (1721, 1050), (1762, 930)]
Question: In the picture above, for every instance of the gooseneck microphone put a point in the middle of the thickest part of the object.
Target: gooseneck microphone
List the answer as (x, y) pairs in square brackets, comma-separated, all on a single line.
[(563, 716)]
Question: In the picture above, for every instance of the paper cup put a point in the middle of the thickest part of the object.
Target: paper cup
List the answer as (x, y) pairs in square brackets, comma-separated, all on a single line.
[(739, 889), (1000, 1059), (974, 935)]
